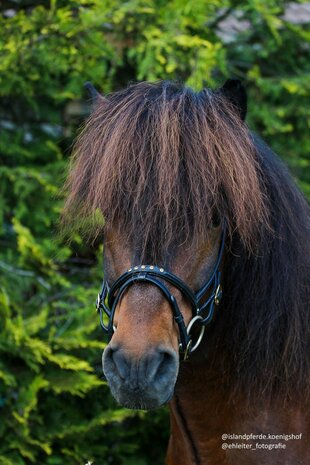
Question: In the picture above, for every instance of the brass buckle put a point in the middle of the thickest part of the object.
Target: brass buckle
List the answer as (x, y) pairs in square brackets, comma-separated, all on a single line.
[(187, 350)]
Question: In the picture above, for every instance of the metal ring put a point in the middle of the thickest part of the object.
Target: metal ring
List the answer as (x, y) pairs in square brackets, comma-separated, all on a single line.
[(189, 327)]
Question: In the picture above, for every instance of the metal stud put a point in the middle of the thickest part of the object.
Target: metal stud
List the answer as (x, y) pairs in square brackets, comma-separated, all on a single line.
[(136, 268), (151, 267), (142, 267), (161, 270)]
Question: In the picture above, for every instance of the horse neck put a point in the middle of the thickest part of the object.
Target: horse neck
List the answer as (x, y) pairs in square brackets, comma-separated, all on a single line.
[(198, 413), (202, 410)]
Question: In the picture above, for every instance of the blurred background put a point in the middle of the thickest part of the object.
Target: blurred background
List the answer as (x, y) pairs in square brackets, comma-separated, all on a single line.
[(55, 408)]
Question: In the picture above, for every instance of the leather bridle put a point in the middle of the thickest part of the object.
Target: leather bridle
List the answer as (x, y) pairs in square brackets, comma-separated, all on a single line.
[(202, 302)]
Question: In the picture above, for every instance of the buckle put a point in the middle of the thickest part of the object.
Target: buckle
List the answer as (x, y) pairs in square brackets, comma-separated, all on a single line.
[(218, 294), (187, 350), (98, 303)]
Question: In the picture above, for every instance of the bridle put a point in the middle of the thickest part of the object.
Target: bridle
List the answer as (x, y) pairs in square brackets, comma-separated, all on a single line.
[(202, 302)]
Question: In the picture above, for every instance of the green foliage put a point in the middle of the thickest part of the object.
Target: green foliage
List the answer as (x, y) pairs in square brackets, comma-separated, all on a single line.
[(54, 406)]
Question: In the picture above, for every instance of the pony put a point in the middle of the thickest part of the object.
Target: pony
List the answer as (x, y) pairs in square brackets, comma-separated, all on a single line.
[(183, 194)]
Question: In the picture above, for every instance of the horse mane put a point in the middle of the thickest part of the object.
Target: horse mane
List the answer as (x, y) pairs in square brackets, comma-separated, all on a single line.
[(160, 161), (264, 328)]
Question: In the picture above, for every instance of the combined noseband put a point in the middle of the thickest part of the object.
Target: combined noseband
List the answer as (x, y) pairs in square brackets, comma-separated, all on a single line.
[(202, 302)]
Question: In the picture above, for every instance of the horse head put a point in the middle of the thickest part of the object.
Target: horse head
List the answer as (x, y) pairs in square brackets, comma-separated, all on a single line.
[(157, 317), (193, 209)]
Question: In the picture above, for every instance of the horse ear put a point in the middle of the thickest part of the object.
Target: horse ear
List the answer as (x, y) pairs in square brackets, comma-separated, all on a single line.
[(234, 91), (95, 96)]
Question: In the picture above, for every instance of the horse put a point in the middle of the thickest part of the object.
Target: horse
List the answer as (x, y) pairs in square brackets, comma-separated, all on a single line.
[(205, 296)]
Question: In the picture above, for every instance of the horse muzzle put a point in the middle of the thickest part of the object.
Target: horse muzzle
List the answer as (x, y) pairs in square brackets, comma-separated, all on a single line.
[(143, 381)]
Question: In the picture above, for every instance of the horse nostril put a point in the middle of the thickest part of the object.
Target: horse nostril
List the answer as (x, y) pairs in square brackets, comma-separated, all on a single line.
[(115, 360), (154, 368), (161, 365)]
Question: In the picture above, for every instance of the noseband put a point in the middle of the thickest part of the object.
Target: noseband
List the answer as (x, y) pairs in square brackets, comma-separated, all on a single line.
[(202, 302)]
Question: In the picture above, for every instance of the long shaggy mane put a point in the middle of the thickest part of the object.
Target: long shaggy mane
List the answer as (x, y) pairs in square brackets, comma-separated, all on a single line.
[(263, 334), (160, 162)]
